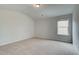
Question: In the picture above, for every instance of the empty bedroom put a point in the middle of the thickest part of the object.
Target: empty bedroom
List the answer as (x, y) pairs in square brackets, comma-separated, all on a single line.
[(39, 29)]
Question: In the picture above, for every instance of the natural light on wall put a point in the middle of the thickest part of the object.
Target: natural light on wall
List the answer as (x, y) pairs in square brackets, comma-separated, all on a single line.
[(62, 27)]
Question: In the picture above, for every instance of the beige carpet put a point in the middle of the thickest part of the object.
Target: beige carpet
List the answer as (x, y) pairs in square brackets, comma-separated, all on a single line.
[(38, 47)]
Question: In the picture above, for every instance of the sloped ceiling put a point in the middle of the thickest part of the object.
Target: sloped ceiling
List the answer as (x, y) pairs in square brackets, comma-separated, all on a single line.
[(44, 11)]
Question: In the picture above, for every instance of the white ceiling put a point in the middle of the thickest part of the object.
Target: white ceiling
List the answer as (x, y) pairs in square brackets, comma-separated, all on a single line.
[(47, 10)]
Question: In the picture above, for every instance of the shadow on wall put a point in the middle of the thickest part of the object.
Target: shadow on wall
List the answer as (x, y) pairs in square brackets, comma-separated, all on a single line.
[(47, 28)]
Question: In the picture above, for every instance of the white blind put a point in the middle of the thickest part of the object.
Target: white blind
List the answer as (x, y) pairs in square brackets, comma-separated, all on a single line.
[(62, 27)]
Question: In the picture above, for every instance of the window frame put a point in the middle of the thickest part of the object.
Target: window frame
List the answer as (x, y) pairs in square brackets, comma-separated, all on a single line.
[(63, 26)]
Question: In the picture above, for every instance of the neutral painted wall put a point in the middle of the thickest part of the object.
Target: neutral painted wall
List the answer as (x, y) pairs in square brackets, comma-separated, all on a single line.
[(15, 26), (76, 27), (47, 28), (66, 38)]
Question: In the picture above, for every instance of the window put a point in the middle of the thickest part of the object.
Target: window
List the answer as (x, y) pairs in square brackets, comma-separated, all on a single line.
[(62, 27)]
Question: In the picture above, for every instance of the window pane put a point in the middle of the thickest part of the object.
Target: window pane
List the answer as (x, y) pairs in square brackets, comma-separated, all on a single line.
[(63, 27)]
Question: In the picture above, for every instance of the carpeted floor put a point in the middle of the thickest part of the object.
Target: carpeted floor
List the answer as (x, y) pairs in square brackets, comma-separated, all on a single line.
[(38, 47)]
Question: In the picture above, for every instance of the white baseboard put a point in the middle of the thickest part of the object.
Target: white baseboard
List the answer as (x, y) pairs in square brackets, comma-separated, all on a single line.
[(9, 42), (52, 39)]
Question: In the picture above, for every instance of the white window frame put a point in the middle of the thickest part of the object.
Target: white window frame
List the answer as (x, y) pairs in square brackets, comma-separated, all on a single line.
[(60, 27)]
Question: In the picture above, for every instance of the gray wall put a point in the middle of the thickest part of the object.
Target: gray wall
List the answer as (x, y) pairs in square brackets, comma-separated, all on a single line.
[(47, 28), (76, 27), (65, 38), (15, 26)]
